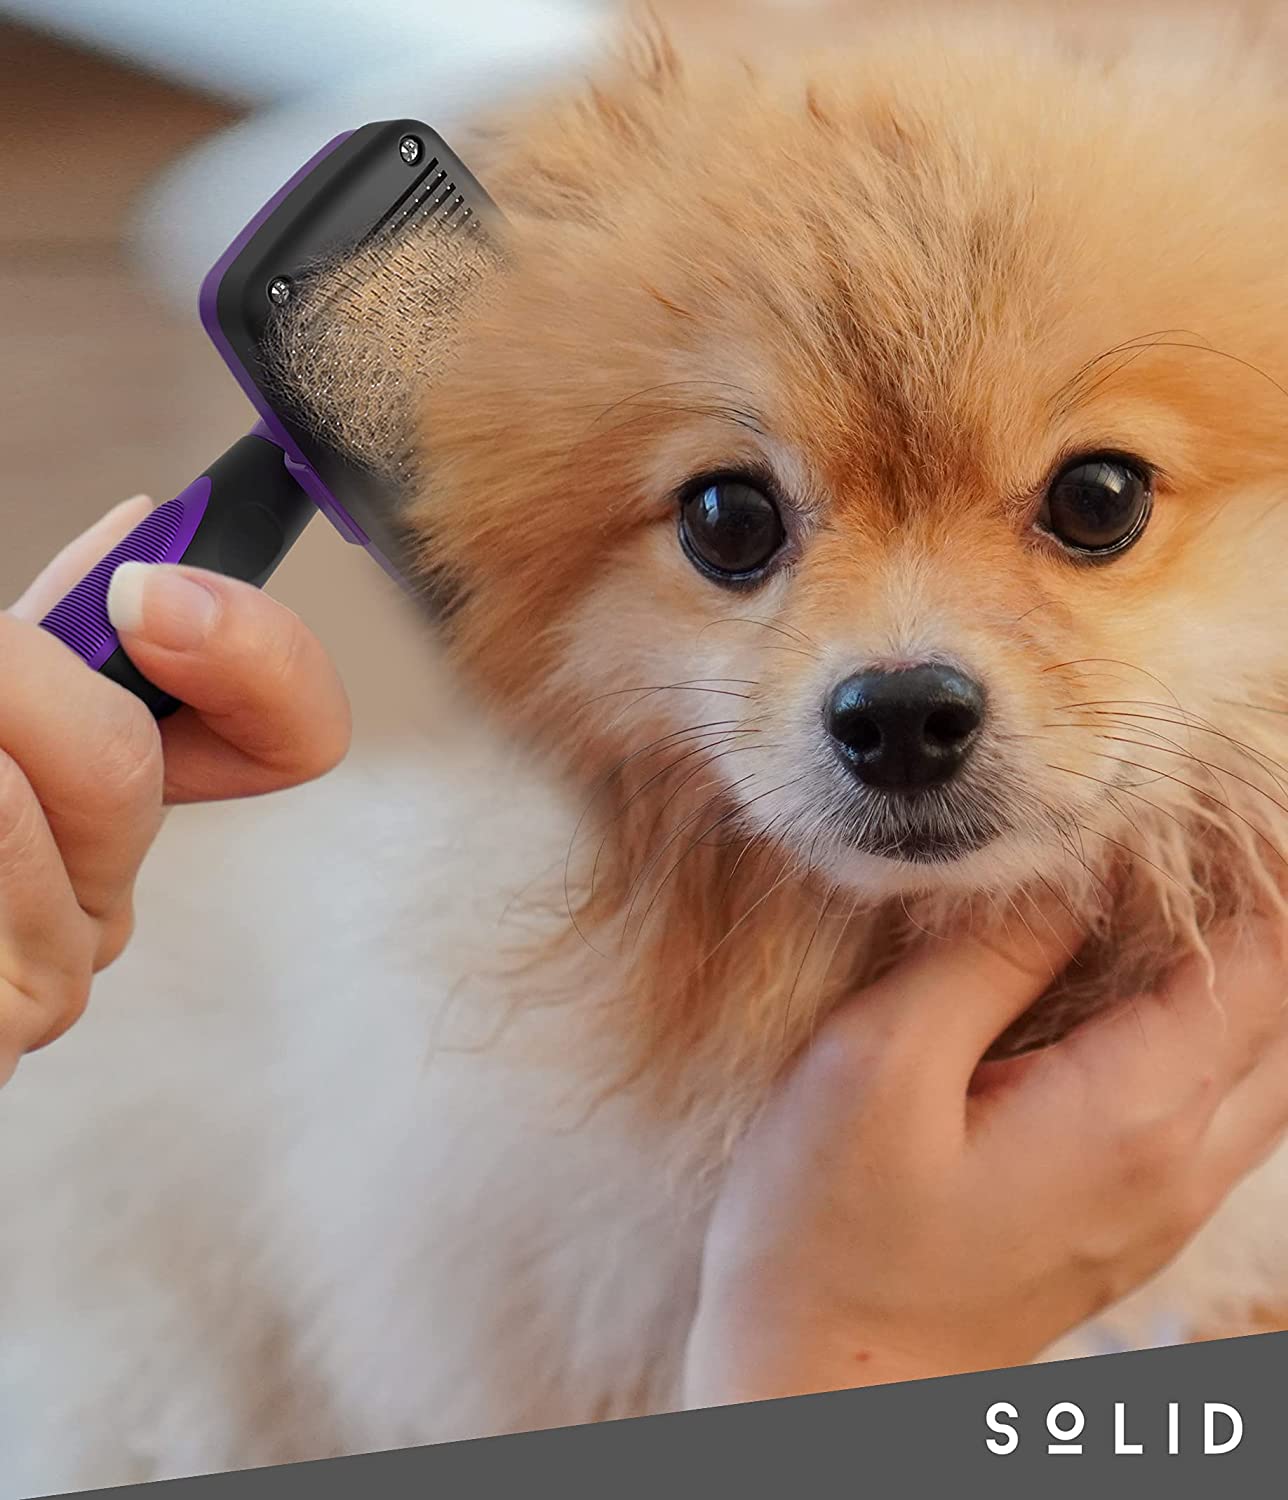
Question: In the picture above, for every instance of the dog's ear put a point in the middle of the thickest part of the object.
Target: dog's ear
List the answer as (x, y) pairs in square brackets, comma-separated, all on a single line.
[(566, 159)]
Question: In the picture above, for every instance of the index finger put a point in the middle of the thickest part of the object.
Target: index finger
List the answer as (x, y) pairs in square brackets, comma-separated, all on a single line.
[(937, 1013), (265, 706)]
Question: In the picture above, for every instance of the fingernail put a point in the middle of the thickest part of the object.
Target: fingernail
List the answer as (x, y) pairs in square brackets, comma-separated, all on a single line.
[(162, 605)]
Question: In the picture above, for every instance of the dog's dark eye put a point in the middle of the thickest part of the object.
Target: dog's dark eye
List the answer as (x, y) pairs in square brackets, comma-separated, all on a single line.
[(1098, 505), (730, 529)]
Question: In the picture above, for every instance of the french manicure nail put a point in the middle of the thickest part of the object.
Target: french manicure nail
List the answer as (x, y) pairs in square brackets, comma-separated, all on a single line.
[(162, 605)]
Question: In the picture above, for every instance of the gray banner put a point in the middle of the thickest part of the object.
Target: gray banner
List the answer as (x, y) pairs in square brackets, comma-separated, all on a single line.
[(1202, 1419)]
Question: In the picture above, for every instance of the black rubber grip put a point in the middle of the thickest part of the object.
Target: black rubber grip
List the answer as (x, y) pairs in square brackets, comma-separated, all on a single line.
[(240, 518)]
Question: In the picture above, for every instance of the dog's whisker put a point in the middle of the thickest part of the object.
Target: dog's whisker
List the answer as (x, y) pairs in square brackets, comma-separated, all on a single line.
[(1135, 854), (761, 841), (1115, 787), (1207, 796), (1113, 661), (672, 798), (600, 788), (693, 684), (811, 647), (733, 812), (750, 417), (914, 924), (669, 687), (702, 749), (1126, 353), (687, 821), (1061, 897), (842, 931), (1198, 791), (1198, 726), (1014, 904), (809, 948), (755, 906)]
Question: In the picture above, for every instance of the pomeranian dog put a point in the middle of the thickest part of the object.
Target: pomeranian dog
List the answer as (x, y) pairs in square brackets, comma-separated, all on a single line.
[(858, 503)]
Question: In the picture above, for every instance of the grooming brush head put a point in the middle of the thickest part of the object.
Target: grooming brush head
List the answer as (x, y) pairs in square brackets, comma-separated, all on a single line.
[(364, 332)]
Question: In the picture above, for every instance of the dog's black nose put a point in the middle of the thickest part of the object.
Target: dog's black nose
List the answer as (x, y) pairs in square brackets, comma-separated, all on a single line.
[(905, 729)]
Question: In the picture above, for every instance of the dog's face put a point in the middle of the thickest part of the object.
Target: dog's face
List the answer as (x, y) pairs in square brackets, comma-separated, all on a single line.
[(894, 454)]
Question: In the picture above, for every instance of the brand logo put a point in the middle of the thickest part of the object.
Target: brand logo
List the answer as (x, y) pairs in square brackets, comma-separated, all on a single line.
[(1065, 1430)]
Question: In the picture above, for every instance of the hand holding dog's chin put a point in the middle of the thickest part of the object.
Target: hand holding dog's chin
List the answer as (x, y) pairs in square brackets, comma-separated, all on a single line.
[(897, 1212)]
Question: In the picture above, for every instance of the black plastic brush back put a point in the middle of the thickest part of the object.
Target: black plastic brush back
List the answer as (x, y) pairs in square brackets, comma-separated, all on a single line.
[(254, 515), (366, 186)]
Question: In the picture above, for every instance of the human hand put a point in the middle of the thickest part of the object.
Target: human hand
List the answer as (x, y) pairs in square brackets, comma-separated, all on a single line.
[(900, 1211), (85, 771)]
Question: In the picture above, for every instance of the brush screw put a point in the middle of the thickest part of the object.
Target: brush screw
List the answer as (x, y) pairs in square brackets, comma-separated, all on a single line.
[(409, 148), (279, 291)]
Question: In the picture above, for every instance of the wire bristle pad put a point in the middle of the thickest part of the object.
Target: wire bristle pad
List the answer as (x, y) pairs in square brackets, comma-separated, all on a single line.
[(363, 338)]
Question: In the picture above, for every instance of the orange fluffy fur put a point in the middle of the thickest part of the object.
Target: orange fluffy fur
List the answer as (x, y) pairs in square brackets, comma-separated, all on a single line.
[(908, 277)]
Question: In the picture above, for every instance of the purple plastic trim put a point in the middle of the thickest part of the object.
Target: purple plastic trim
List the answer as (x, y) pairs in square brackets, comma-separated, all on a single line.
[(269, 424), (80, 619), (398, 576), (310, 481)]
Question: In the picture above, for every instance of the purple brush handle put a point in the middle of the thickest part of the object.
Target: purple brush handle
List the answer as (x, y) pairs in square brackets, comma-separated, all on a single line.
[(80, 619), (240, 518)]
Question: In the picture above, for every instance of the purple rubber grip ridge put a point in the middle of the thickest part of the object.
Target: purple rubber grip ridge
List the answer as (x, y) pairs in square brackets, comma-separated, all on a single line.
[(80, 619)]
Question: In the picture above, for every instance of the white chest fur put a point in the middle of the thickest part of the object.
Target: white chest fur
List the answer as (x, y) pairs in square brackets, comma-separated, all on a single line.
[(268, 1202)]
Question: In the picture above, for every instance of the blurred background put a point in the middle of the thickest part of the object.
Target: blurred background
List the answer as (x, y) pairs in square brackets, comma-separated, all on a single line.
[(138, 137)]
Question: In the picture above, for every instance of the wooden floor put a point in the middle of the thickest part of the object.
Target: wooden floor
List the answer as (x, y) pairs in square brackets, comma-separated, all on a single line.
[(104, 392)]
